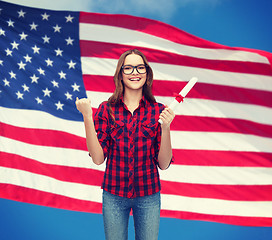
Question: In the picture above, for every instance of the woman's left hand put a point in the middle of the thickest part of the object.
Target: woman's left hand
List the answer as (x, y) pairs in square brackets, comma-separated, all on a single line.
[(167, 116)]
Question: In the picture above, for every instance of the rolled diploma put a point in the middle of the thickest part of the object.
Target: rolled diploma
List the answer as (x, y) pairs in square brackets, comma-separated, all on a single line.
[(183, 94)]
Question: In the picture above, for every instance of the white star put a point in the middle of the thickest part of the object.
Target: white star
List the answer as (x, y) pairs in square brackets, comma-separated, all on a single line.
[(75, 87), (10, 23), (9, 52), (68, 96), (27, 58), (58, 52), (1, 62), (55, 84), (36, 49), (69, 41), (49, 62), (6, 82), (59, 105), (46, 39), (15, 45), (41, 71), (23, 36), (34, 79), (12, 75), (71, 64), (19, 95), (39, 101), (26, 88), (46, 92), (21, 65), (33, 26), (2, 32), (57, 28), (62, 75), (45, 16), (69, 18), (21, 13)]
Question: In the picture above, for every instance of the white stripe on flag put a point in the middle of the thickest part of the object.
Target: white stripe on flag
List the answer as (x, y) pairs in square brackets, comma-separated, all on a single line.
[(220, 141), (50, 155), (217, 206), (118, 35), (223, 175)]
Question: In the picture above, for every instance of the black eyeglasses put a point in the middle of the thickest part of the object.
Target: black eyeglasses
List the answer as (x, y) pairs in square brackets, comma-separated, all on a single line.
[(129, 69)]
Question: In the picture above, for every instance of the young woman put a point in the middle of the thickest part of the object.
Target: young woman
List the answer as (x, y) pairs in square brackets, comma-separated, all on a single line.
[(126, 132)]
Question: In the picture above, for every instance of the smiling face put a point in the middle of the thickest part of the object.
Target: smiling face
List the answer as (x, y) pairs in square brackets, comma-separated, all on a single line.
[(123, 81), (135, 80)]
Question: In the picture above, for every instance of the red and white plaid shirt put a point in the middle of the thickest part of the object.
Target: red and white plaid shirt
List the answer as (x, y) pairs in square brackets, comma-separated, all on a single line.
[(131, 145)]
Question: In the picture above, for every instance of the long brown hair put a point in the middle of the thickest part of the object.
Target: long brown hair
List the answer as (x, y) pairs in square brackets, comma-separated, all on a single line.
[(119, 85)]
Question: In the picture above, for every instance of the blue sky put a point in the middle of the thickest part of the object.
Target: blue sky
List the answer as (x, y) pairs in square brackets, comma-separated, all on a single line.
[(239, 23)]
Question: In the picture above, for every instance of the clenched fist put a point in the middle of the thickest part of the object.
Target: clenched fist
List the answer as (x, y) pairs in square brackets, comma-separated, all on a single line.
[(84, 106)]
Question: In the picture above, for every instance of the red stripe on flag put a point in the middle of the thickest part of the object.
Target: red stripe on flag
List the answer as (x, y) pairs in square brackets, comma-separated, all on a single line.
[(200, 90), (222, 158), (114, 51), (28, 195), (233, 220), (211, 124), (219, 191), (43, 137)]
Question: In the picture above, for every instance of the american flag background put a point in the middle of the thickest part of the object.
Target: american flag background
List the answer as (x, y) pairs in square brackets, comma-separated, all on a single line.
[(221, 135)]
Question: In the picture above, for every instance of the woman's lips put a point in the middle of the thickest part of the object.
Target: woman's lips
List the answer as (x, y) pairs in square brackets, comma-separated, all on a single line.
[(135, 79)]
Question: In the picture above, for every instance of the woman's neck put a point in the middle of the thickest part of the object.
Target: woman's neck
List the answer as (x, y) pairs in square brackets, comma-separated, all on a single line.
[(132, 99)]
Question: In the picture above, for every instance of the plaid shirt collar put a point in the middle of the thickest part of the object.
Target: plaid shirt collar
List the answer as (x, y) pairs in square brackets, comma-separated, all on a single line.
[(143, 102)]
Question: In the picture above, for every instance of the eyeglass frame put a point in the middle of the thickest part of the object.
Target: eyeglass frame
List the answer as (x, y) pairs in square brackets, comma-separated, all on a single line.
[(135, 67)]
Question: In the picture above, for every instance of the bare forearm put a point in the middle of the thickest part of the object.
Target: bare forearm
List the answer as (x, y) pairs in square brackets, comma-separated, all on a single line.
[(165, 153), (93, 144)]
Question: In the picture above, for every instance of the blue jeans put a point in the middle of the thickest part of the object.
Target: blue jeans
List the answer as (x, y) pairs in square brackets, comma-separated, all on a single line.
[(146, 215)]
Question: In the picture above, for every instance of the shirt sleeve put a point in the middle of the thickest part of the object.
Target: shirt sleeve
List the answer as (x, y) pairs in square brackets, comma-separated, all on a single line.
[(101, 121), (158, 143)]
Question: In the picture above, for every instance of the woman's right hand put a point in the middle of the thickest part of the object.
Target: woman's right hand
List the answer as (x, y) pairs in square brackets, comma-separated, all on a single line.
[(84, 106)]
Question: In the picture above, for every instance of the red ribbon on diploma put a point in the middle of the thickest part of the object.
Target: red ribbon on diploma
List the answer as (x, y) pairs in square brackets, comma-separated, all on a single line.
[(179, 98)]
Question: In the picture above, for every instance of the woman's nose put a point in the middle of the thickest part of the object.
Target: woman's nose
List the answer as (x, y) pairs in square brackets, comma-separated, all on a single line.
[(134, 71)]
